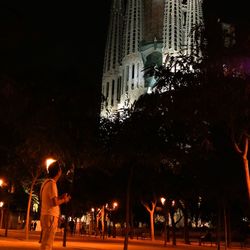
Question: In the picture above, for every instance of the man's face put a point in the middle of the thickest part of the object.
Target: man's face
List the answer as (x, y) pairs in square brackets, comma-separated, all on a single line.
[(57, 177)]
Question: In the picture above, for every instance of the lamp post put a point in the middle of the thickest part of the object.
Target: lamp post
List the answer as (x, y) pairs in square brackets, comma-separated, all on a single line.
[(163, 202), (2, 185), (173, 224), (70, 174), (92, 221), (1, 205), (110, 209), (115, 205), (1, 208), (8, 192)]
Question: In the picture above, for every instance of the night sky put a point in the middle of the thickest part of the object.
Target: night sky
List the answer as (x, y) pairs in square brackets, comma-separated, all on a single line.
[(53, 42), (229, 10)]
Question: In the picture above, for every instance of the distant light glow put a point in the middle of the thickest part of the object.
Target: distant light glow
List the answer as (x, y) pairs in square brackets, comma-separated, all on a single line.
[(163, 200), (245, 219)]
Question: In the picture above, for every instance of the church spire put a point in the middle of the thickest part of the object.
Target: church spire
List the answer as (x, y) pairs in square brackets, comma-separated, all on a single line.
[(133, 27), (114, 39), (111, 80)]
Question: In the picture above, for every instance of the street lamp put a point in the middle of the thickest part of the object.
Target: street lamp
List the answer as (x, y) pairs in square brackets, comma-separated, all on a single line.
[(8, 191), (92, 221), (163, 200), (114, 207), (3, 183), (48, 162)]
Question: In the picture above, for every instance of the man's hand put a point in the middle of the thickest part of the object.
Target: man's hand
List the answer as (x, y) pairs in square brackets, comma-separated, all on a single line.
[(66, 197)]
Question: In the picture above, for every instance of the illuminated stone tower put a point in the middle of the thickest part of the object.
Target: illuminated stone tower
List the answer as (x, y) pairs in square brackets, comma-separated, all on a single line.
[(194, 17), (141, 34)]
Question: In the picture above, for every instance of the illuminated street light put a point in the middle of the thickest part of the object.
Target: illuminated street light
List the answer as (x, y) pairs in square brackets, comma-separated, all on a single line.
[(163, 200), (48, 162), (2, 183), (115, 205)]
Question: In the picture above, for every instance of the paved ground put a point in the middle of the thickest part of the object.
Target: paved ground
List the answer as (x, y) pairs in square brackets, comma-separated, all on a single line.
[(16, 240)]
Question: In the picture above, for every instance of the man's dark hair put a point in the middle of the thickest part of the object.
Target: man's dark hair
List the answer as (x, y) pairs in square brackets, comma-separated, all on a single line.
[(53, 169)]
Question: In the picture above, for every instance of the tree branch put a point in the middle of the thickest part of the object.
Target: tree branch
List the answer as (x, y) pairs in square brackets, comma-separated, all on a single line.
[(246, 148)]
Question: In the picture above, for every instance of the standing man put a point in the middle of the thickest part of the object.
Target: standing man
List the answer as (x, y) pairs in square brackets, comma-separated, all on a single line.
[(50, 206)]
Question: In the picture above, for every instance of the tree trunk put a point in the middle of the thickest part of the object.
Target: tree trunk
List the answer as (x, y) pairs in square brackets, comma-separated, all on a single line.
[(243, 154), (173, 228), (151, 213), (7, 219), (127, 227), (131, 220), (186, 230), (225, 226), (27, 223), (65, 229), (103, 221), (246, 168), (165, 226), (229, 229), (168, 231), (218, 228), (152, 225)]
